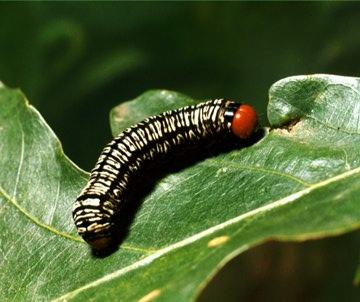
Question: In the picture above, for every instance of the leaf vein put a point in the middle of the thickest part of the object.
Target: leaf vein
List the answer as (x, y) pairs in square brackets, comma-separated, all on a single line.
[(257, 169), (35, 220), (21, 160), (63, 234)]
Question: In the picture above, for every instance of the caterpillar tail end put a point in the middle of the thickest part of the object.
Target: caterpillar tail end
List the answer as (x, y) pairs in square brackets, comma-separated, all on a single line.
[(100, 241), (93, 220), (99, 244)]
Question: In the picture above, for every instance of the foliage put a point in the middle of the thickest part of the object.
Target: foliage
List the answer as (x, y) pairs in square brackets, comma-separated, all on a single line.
[(300, 181)]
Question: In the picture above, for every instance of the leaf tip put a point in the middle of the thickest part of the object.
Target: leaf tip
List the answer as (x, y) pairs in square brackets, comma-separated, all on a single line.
[(296, 97)]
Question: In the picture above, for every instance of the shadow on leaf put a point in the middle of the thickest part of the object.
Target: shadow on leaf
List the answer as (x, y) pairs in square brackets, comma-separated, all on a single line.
[(142, 185)]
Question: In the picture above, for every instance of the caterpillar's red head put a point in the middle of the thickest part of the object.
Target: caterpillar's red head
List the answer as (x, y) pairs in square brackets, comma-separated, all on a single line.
[(244, 121)]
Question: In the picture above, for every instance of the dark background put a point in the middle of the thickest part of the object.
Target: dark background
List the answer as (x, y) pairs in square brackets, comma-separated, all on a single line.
[(75, 61)]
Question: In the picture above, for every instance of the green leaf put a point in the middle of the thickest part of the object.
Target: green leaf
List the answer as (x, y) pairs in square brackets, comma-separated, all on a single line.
[(150, 103), (357, 277), (301, 181)]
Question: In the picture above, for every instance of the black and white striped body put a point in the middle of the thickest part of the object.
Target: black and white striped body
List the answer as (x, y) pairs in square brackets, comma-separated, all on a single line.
[(124, 157)]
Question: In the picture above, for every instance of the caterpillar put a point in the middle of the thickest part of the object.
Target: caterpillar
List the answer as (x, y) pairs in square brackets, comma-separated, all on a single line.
[(124, 157)]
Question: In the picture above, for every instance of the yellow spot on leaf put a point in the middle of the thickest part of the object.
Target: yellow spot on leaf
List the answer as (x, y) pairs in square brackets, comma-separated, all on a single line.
[(218, 241), (120, 112), (150, 296)]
